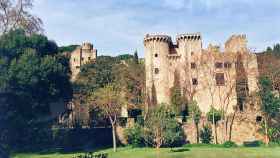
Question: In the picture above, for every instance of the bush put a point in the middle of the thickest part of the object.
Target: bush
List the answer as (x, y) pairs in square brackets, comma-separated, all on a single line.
[(161, 128), (229, 144), (206, 135), (256, 143), (134, 136)]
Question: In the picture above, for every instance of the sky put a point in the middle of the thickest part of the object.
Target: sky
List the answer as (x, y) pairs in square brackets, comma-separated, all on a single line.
[(119, 26)]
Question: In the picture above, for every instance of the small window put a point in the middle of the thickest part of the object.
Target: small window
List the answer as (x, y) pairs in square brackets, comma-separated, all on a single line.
[(192, 53), (219, 65), (156, 55), (82, 59), (156, 70), (77, 67), (258, 119), (227, 65), (89, 58), (194, 81), (220, 79), (193, 65), (74, 59)]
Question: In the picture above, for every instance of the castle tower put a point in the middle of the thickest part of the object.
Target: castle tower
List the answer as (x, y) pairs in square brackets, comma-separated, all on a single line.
[(189, 44), (156, 49), (80, 56)]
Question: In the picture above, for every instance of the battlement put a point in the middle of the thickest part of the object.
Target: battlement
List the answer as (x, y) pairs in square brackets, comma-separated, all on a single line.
[(163, 38), (236, 43), (87, 46), (188, 36)]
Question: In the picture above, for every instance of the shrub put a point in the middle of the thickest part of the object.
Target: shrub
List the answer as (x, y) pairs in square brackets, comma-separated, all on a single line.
[(134, 136), (206, 135), (256, 143), (229, 144), (161, 129)]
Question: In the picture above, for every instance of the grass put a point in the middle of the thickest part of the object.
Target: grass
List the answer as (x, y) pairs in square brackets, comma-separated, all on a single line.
[(186, 152)]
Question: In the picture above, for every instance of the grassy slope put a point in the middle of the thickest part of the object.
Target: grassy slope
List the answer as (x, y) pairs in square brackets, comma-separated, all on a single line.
[(194, 152)]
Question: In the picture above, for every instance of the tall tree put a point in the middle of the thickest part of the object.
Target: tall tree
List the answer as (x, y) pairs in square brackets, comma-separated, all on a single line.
[(270, 103), (214, 116), (109, 100), (30, 81), (15, 14), (195, 113)]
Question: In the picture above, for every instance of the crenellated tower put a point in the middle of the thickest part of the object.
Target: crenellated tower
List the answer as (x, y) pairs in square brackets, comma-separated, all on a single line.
[(156, 54), (189, 44)]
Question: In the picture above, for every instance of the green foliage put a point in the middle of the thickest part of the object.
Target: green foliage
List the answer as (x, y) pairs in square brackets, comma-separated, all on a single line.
[(229, 144), (69, 48), (206, 135), (195, 112), (274, 50), (270, 103), (214, 114), (161, 128), (134, 136), (15, 43), (31, 79), (256, 143)]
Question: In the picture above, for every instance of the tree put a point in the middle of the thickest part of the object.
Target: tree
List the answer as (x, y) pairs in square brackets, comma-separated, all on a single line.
[(15, 42), (16, 15), (161, 127), (106, 70), (110, 101), (30, 81), (270, 104), (214, 116), (135, 58), (195, 113)]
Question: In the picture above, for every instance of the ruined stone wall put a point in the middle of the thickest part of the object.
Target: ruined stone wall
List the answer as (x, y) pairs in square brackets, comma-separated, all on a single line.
[(244, 127)]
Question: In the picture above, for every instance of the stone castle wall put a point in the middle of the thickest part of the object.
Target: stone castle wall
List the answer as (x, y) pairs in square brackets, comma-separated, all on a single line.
[(198, 70), (81, 56)]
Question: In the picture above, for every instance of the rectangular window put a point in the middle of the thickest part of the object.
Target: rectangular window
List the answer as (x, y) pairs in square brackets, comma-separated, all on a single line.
[(88, 58), (77, 67), (220, 79), (219, 65), (156, 70), (194, 81), (193, 65), (227, 65)]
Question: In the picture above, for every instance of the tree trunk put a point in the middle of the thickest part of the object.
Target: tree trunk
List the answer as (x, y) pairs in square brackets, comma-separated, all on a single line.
[(214, 128), (266, 132), (231, 125), (114, 137), (197, 133), (216, 138)]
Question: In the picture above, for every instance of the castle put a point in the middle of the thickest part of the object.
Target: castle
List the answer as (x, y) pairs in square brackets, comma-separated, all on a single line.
[(209, 76), (224, 79), (80, 56)]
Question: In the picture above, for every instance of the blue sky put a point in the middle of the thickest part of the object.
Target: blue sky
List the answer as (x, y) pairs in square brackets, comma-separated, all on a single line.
[(118, 26)]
